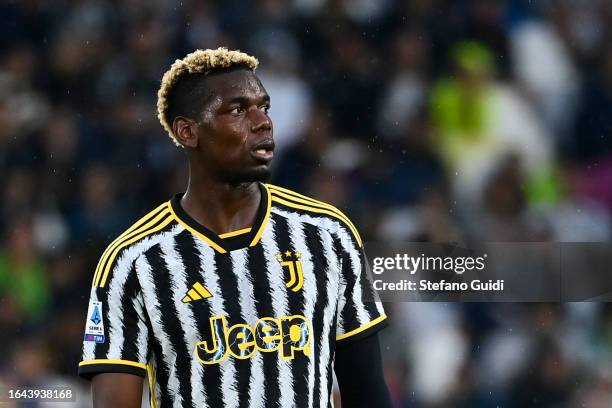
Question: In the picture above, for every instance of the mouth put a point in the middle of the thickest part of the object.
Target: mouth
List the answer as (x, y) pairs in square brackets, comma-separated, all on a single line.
[(263, 151)]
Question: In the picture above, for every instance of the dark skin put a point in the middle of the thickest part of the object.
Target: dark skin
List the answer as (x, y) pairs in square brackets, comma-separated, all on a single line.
[(229, 146), (117, 390), (222, 193)]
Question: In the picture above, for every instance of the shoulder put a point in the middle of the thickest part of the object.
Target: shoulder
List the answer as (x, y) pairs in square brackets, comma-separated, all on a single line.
[(312, 211), (134, 241)]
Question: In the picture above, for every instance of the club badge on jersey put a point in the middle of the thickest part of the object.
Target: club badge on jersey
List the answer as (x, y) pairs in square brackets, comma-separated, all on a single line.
[(94, 328), (291, 264)]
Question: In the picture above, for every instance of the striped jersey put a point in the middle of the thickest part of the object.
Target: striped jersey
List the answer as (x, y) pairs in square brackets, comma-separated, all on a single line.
[(250, 318)]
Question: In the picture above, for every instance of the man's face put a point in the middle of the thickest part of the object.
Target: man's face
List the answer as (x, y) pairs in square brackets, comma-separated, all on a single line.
[(234, 131)]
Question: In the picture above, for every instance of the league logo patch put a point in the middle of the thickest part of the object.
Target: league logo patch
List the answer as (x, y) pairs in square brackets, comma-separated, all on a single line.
[(94, 328)]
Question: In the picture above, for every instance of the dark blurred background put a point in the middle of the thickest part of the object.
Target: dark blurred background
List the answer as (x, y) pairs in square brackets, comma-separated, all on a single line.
[(424, 120)]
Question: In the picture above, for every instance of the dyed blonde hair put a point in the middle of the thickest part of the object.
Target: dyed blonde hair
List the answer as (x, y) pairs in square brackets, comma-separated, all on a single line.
[(197, 62)]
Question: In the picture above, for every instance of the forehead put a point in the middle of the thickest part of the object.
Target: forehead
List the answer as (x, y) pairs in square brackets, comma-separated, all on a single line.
[(240, 83)]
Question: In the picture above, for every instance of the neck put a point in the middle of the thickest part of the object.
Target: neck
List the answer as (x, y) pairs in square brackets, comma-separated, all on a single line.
[(221, 206)]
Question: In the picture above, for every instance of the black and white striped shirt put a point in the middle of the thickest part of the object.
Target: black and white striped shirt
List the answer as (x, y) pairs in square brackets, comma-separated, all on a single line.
[(245, 319)]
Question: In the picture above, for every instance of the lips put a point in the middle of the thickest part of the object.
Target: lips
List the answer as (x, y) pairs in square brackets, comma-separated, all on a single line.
[(263, 151)]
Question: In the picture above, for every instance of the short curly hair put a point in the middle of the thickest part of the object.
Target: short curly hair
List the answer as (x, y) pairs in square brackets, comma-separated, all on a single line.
[(194, 67)]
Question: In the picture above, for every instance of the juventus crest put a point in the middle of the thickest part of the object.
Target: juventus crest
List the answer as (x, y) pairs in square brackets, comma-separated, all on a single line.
[(292, 267)]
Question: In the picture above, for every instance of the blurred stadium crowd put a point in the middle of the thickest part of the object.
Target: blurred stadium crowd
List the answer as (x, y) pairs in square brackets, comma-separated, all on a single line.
[(425, 120)]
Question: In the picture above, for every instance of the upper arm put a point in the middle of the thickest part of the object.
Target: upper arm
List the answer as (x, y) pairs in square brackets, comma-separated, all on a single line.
[(116, 336), (117, 390), (359, 312)]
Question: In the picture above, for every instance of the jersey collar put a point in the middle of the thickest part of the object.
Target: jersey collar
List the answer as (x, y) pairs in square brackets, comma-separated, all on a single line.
[(228, 241)]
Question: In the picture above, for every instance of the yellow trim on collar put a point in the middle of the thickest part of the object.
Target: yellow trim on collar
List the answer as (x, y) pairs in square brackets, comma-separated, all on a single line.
[(234, 233), (193, 231), (264, 222)]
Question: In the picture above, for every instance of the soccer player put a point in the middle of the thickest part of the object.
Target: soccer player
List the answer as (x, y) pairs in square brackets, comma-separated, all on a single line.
[(235, 293)]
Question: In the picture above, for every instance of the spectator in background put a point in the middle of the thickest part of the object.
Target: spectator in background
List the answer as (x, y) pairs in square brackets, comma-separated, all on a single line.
[(591, 138), (280, 57), (24, 287), (410, 186), (550, 383), (437, 348), (34, 368), (24, 110), (591, 145), (505, 214), (486, 24), (577, 217), (309, 151), (544, 67), (97, 215), (405, 92), (480, 120), (351, 85)]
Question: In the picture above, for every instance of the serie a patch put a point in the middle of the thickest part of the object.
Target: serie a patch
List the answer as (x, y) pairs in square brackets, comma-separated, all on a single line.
[(94, 329)]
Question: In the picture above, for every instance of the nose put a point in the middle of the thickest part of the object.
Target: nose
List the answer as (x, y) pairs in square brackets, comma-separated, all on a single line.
[(260, 121)]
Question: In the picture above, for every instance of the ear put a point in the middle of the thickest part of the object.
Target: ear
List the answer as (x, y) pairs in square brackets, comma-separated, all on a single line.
[(185, 131)]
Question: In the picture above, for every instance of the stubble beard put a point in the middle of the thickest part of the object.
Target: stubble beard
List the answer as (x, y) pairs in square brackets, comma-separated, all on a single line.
[(260, 175)]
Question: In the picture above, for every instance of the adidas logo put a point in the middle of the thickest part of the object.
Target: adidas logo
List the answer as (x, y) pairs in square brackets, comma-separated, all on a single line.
[(197, 292)]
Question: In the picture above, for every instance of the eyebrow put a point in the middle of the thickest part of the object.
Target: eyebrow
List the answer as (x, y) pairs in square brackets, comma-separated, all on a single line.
[(243, 100)]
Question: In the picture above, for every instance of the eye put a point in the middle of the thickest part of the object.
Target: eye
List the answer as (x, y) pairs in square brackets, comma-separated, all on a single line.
[(265, 108), (237, 110)]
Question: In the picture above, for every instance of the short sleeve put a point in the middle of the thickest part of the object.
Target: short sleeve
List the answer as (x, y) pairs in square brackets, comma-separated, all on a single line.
[(360, 312), (116, 337)]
